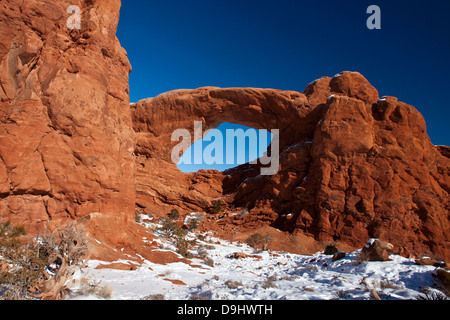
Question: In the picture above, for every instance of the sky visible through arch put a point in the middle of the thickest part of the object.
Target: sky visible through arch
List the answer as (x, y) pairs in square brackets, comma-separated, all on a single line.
[(241, 155), (287, 44)]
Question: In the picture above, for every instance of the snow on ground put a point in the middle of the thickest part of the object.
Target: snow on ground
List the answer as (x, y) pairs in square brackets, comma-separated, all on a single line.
[(262, 276)]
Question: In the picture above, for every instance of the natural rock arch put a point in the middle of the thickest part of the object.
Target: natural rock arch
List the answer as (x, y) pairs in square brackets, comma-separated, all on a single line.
[(345, 163)]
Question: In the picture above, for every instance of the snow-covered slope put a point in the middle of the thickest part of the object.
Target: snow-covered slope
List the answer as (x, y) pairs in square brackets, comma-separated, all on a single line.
[(261, 276)]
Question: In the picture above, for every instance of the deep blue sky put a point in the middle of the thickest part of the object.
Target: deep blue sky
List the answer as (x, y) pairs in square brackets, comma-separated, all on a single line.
[(250, 152), (286, 44)]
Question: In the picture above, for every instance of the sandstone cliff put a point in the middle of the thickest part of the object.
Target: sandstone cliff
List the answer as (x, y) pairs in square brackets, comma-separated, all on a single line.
[(66, 140)]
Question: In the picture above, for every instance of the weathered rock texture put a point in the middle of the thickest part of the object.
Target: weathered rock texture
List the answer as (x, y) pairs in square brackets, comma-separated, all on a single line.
[(66, 139), (352, 166)]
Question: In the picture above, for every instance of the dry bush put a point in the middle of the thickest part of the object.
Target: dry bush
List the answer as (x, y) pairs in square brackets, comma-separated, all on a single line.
[(259, 241), (269, 282), (41, 267), (69, 250), (231, 284), (157, 296), (209, 262), (386, 284), (183, 247), (88, 288)]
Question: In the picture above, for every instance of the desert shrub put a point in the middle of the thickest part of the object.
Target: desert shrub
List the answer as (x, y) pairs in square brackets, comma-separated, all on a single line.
[(174, 214), (203, 254), (259, 241), (202, 251), (217, 206), (171, 229), (231, 284), (182, 246), (22, 267), (269, 282), (41, 267), (432, 296), (91, 288), (201, 237), (193, 224), (209, 262), (331, 250), (11, 232), (386, 284)]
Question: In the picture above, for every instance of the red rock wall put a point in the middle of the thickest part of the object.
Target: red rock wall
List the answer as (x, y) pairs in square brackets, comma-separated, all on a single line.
[(66, 139)]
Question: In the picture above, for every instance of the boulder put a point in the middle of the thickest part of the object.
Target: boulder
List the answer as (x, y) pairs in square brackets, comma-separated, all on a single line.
[(377, 250), (338, 256), (425, 261)]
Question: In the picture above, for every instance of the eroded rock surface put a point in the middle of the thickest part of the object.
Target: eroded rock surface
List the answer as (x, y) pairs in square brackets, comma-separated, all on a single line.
[(66, 139), (352, 166)]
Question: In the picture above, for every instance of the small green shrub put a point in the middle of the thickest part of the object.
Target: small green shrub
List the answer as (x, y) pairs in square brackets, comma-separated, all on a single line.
[(174, 214), (193, 224), (171, 229), (331, 250), (217, 207), (183, 247)]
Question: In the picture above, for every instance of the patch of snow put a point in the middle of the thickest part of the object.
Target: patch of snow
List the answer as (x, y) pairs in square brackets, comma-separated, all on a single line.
[(370, 242), (262, 276)]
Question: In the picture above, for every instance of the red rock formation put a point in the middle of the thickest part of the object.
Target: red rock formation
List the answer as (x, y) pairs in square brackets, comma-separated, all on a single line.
[(66, 140), (352, 166), (66, 137)]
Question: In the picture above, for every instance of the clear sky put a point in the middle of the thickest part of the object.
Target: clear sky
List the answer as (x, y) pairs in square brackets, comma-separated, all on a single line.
[(286, 44), (226, 147)]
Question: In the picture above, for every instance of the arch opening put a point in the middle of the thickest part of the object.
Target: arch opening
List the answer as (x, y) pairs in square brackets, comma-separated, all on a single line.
[(225, 147)]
